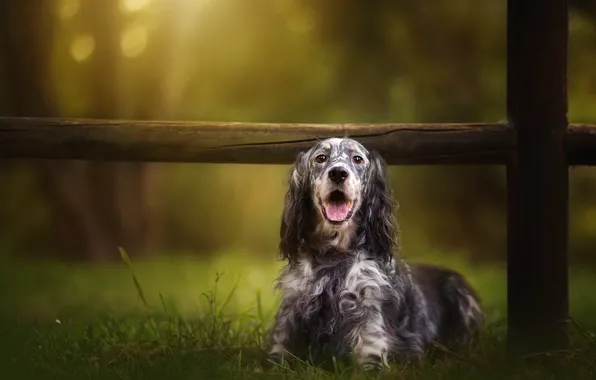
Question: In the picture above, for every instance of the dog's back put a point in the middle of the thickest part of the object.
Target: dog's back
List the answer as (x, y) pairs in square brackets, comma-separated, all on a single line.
[(452, 304)]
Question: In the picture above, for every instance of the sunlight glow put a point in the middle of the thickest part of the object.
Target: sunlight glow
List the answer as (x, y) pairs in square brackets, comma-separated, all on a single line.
[(303, 22), (133, 5), (68, 8), (133, 41), (82, 47)]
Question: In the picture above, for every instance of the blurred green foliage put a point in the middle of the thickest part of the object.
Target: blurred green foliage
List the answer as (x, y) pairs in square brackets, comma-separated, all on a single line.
[(303, 61)]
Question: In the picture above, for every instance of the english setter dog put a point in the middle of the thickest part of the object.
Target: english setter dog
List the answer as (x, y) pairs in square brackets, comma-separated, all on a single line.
[(345, 290)]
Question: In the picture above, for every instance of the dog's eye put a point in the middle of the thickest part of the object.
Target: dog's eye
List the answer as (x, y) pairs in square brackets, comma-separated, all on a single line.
[(357, 159), (321, 158)]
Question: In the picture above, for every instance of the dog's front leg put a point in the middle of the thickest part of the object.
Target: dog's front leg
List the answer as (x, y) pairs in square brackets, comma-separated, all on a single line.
[(280, 334), (367, 336), (370, 342)]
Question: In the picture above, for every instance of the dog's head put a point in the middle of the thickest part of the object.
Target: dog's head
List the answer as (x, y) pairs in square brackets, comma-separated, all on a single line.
[(338, 196)]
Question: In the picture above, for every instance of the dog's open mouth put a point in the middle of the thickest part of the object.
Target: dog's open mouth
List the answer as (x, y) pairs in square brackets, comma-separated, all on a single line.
[(337, 207)]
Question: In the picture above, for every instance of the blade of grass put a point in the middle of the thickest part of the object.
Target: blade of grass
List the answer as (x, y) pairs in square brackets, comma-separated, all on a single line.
[(163, 304), (128, 263), (229, 297)]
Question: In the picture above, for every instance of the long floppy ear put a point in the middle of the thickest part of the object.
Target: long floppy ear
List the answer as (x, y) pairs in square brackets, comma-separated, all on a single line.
[(378, 211), (297, 210)]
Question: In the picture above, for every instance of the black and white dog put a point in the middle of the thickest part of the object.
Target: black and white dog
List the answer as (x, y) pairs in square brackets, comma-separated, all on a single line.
[(345, 289)]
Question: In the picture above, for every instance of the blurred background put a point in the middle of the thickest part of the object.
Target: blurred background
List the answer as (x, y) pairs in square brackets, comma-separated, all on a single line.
[(259, 61)]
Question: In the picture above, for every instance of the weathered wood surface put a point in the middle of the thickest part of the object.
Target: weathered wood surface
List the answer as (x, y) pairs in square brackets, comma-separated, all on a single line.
[(124, 140), (538, 176), (256, 143)]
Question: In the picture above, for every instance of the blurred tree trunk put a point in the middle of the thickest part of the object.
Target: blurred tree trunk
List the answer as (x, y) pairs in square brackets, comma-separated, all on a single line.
[(119, 192), (118, 189), (27, 29), (367, 67), (96, 206)]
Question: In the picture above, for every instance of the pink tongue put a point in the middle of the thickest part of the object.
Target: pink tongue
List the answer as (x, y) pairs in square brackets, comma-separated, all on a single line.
[(337, 211)]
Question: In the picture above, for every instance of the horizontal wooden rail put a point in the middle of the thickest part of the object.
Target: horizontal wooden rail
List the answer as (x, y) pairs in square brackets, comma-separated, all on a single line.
[(264, 143), (218, 142), (581, 144)]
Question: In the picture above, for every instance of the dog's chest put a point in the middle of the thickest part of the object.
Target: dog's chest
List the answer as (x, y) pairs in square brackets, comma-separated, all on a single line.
[(323, 295)]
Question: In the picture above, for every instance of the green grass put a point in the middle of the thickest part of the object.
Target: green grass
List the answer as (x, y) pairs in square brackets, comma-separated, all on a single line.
[(189, 319)]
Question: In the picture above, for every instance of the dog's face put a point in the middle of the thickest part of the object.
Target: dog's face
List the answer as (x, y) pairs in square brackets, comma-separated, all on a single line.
[(338, 196), (338, 172)]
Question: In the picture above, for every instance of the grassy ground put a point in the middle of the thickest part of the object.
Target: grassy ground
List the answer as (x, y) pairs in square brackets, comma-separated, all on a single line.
[(185, 319)]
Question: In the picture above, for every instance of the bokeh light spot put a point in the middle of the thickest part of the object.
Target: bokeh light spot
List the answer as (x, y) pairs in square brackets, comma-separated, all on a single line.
[(68, 8), (133, 5), (82, 47), (134, 41)]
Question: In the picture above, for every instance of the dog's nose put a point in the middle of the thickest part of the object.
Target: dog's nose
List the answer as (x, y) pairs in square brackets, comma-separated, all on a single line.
[(338, 174)]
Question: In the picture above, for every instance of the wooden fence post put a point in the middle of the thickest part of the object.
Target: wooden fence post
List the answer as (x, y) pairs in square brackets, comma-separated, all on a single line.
[(538, 175)]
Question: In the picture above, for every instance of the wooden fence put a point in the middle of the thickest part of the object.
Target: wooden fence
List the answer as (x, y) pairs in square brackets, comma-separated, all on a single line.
[(537, 145)]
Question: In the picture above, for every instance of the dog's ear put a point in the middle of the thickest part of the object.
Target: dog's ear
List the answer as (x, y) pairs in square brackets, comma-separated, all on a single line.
[(378, 211), (297, 210)]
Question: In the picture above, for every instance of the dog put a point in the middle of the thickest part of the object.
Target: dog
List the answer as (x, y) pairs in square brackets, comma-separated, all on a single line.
[(345, 290)]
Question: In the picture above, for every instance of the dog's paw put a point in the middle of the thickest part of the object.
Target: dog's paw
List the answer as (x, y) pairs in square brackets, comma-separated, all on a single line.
[(373, 363), (277, 357)]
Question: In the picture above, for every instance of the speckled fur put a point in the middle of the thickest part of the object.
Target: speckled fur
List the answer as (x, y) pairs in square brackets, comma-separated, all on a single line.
[(345, 290)]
